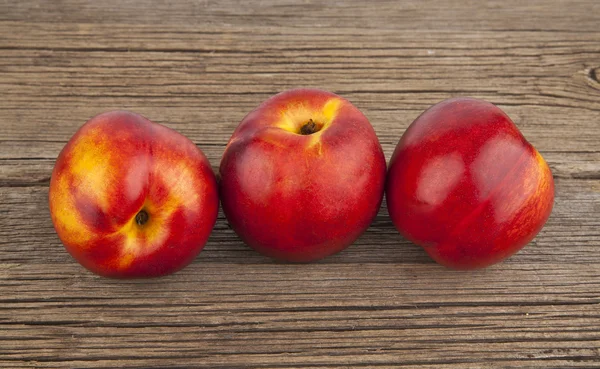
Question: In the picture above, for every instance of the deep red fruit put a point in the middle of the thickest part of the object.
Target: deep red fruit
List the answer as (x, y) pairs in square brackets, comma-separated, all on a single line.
[(302, 176), (464, 184)]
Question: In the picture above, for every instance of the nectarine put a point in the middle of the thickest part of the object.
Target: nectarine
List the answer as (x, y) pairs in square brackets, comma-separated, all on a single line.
[(131, 198), (464, 184), (302, 176)]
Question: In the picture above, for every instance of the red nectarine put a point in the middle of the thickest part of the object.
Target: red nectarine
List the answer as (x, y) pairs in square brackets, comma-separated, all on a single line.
[(302, 176), (465, 185)]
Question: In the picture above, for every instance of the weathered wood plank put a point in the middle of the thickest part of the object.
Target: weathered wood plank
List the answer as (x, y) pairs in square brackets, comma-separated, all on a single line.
[(234, 315), (572, 16)]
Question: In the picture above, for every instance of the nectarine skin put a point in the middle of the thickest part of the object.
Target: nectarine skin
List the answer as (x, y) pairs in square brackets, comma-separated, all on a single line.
[(131, 198), (464, 184), (302, 176)]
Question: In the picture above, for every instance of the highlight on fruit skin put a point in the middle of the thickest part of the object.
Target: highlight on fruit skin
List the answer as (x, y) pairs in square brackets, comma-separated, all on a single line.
[(465, 184), (302, 176), (132, 198)]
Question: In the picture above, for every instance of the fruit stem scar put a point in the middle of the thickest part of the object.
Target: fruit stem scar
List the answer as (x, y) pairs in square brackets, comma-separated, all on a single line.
[(142, 217), (309, 128)]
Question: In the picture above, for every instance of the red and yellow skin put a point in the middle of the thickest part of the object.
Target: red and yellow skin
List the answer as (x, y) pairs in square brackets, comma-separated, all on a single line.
[(132, 198), (300, 197), (464, 184)]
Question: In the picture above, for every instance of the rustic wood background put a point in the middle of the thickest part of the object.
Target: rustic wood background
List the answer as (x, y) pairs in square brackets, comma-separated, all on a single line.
[(199, 67)]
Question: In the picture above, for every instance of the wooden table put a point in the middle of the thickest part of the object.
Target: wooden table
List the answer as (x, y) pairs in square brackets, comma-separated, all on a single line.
[(199, 67)]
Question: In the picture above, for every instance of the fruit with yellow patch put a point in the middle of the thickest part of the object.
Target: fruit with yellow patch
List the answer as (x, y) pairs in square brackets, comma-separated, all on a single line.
[(132, 198), (465, 184), (302, 176)]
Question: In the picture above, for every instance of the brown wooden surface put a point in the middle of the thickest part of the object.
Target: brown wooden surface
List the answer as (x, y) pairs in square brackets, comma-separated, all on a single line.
[(199, 67)]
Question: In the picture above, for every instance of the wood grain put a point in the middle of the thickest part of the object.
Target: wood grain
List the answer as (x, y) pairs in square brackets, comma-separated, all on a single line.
[(199, 67)]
